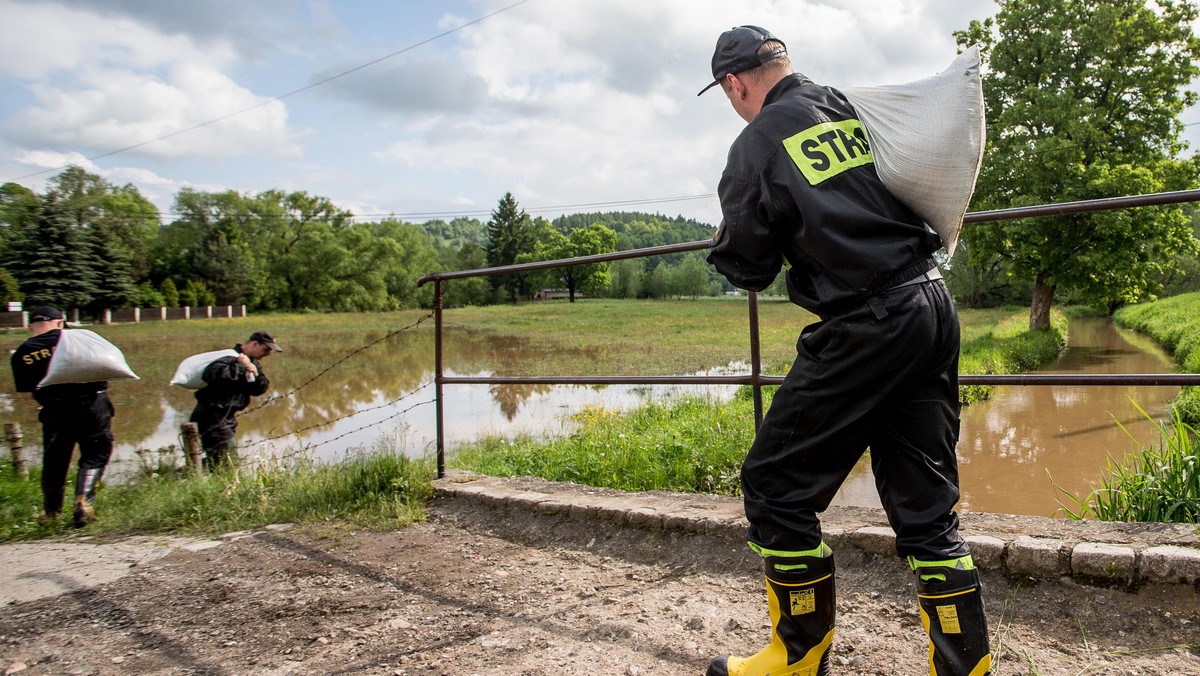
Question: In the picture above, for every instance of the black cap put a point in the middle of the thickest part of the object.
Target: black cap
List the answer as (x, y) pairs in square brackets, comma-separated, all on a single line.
[(45, 313), (737, 52), (266, 339)]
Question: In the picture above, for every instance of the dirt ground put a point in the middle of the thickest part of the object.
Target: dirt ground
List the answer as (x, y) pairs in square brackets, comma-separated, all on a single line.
[(478, 591)]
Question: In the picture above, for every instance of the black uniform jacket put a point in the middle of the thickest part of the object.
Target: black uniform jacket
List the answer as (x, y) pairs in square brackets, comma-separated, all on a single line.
[(800, 189), (29, 364), (227, 389)]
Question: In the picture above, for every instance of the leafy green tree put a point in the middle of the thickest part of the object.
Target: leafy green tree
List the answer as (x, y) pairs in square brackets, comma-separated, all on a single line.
[(170, 294), (148, 297), (195, 293), (627, 278), (470, 291), (10, 290), (690, 277), (1083, 100), (212, 240), (18, 209), (509, 236), (553, 245)]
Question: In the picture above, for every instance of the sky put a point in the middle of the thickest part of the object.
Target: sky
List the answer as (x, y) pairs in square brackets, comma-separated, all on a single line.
[(420, 109)]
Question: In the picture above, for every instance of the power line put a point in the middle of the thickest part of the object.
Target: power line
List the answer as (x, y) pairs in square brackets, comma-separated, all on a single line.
[(272, 99)]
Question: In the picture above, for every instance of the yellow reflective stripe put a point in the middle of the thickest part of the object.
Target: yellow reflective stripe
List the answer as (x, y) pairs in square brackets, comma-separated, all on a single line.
[(822, 550), (972, 590), (828, 149), (806, 583), (961, 563)]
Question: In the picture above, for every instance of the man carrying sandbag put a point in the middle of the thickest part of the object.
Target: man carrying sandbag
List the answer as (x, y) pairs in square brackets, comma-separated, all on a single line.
[(72, 413), (229, 382), (880, 369)]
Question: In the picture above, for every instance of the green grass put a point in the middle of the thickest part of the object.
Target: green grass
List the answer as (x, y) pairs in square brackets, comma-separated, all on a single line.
[(1009, 347), (696, 445), (380, 489), (691, 445), (1158, 484), (1175, 324)]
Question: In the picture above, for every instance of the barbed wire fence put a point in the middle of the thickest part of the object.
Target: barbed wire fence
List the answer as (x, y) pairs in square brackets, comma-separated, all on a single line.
[(305, 450)]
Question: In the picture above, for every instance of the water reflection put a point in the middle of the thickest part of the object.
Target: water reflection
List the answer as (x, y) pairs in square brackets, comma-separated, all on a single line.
[(1012, 446)]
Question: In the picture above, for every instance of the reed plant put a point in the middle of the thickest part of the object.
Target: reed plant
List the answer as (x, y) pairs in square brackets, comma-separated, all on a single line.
[(1160, 483), (379, 489)]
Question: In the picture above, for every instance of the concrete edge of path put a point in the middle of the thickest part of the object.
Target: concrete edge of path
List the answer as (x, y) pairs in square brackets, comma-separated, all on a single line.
[(1099, 553)]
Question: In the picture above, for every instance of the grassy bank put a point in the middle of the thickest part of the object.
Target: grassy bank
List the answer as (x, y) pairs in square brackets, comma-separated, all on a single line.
[(1175, 324), (695, 445), (381, 490)]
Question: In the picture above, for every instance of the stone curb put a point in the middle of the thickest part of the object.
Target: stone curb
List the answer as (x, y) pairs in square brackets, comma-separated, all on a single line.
[(1093, 562)]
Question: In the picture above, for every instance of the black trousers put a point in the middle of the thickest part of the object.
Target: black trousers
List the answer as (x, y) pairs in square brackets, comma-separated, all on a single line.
[(883, 376), (218, 432), (86, 421)]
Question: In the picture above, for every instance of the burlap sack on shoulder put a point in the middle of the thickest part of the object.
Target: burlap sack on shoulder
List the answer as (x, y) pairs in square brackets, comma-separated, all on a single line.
[(927, 138)]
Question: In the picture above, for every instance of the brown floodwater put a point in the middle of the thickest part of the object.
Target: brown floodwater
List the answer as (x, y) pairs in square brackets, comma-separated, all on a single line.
[(1017, 446)]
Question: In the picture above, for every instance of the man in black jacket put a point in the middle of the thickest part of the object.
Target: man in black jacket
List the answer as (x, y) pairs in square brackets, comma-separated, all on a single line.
[(879, 370), (229, 384), (71, 413)]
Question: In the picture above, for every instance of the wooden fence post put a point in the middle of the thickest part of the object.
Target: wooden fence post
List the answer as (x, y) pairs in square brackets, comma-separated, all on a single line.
[(13, 432), (191, 446)]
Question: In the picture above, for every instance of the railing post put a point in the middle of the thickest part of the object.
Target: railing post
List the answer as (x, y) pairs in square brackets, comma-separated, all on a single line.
[(15, 446), (438, 375), (755, 361)]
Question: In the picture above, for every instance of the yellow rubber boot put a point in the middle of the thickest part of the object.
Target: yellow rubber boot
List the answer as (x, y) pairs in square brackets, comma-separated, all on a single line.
[(952, 614), (800, 597)]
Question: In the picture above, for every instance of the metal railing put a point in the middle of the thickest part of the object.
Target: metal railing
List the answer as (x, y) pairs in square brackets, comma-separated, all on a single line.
[(755, 378)]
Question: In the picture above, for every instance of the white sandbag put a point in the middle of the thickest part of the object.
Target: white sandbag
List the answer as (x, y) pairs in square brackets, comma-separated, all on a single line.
[(83, 356), (927, 138), (190, 373)]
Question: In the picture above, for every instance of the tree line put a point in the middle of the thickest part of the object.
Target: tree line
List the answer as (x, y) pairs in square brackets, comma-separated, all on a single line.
[(86, 243)]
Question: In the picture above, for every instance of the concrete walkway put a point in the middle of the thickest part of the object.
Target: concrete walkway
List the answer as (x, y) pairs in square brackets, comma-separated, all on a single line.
[(1094, 552)]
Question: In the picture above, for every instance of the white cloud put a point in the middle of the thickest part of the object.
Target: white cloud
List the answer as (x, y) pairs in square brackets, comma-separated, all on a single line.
[(102, 84)]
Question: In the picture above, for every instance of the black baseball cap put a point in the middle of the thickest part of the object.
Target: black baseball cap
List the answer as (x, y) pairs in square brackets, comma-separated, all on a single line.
[(45, 313), (266, 339), (737, 52)]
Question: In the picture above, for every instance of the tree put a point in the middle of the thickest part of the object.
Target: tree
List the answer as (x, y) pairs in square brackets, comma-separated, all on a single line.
[(170, 294), (195, 293), (10, 290), (690, 277), (627, 278), (51, 263), (18, 209), (553, 245), (1083, 100), (509, 236)]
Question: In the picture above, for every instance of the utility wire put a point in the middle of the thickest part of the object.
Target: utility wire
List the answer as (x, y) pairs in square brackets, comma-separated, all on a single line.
[(280, 97)]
